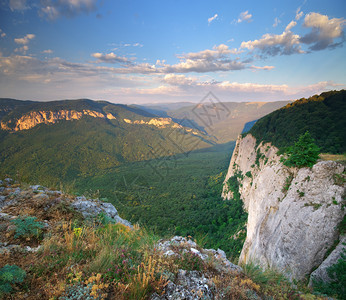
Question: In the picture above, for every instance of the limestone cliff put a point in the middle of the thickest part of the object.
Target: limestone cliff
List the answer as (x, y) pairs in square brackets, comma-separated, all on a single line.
[(293, 214), (31, 119)]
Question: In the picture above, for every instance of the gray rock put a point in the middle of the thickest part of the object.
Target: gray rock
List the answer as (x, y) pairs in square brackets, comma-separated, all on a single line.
[(35, 187), (29, 249), (40, 197), (8, 180), (6, 217), (190, 285), (92, 208), (1, 182), (54, 193), (169, 253), (10, 248), (2, 201), (117, 219), (1, 189), (320, 274)]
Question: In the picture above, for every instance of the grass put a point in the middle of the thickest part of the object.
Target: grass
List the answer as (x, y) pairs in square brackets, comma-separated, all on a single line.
[(101, 260), (333, 157)]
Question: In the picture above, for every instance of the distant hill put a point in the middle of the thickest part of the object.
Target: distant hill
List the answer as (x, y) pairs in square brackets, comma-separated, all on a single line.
[(224, 120), (322, 115), (61, 140)]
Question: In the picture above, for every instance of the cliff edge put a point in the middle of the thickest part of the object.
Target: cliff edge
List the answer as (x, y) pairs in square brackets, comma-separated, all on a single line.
[(293, 214)]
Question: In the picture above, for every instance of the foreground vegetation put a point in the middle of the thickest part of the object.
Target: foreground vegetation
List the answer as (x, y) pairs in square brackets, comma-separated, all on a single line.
[(96, 259)]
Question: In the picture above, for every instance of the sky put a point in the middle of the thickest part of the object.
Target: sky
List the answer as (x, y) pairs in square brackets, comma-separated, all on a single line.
[(127, 51)]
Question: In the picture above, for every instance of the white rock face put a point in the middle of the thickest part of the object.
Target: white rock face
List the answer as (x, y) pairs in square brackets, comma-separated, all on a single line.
[(321, 272), (292, 213)]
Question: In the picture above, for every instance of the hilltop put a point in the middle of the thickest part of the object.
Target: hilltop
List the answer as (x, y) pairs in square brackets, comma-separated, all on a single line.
[(322, 115)]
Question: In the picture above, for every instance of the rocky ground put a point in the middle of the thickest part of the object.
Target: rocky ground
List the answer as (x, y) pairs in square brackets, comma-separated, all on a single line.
[(183, 269)]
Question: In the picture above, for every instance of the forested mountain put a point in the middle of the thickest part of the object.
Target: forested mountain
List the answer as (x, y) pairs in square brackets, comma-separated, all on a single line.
[(322, 115), (83, 137)]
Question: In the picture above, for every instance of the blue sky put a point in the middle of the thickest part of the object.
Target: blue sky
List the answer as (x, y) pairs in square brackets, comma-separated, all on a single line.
[(170, 51)]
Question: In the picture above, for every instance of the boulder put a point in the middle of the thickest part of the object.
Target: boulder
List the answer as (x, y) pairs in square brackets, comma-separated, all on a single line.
[(190, 285), (92, 208), (321, 274)]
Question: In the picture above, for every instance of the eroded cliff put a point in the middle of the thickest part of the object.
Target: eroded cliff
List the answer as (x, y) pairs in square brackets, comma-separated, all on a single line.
[(293, 214), (31, 119)]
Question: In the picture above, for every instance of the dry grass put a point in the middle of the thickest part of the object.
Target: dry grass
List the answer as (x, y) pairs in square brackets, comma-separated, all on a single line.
[(333, 157)]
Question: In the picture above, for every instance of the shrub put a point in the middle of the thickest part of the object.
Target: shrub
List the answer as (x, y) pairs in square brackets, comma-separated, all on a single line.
[(191, 261), (27, 227), (10, 275), (304, 153), (104, 219)]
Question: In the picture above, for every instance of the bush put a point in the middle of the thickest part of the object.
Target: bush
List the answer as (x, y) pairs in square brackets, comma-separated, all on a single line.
[(10, 275), (27, 227), (304, 153)]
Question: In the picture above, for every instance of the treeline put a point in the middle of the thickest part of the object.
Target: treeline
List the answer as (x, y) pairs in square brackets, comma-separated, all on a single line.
[(322, 115)]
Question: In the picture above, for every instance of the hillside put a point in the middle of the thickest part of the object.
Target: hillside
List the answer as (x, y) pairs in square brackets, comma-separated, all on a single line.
[(322, 115), (296, 216), (58, 246), (222, 120), (81, 137)]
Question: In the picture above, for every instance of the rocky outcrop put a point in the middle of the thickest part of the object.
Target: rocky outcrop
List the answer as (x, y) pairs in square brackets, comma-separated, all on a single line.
[(321, 273), (46, 205), (191, 285), (91, 208), (34, 118), (293, 213), (172, 247)]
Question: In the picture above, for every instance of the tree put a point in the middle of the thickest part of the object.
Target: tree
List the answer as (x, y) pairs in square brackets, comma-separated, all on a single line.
[(304, 153)]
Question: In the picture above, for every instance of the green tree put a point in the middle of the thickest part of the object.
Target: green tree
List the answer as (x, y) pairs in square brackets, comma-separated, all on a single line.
[(304, 153)]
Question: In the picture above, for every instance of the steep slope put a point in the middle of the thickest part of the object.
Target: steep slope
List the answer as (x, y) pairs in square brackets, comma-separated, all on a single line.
[(294, 214), (80, 137)]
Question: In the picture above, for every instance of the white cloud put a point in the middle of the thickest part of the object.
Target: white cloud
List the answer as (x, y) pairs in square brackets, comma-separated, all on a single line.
[(262, 68), (324, 31), (299, 14), (276, 22), (110, 58), (244, 16), (2, 34), (290, 25), (31, 78), (68, 8), (23, 49), (137, 45), (217, 59), (276, 44), (211, 19), (17, 5), (48, 51), (25, 40)]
